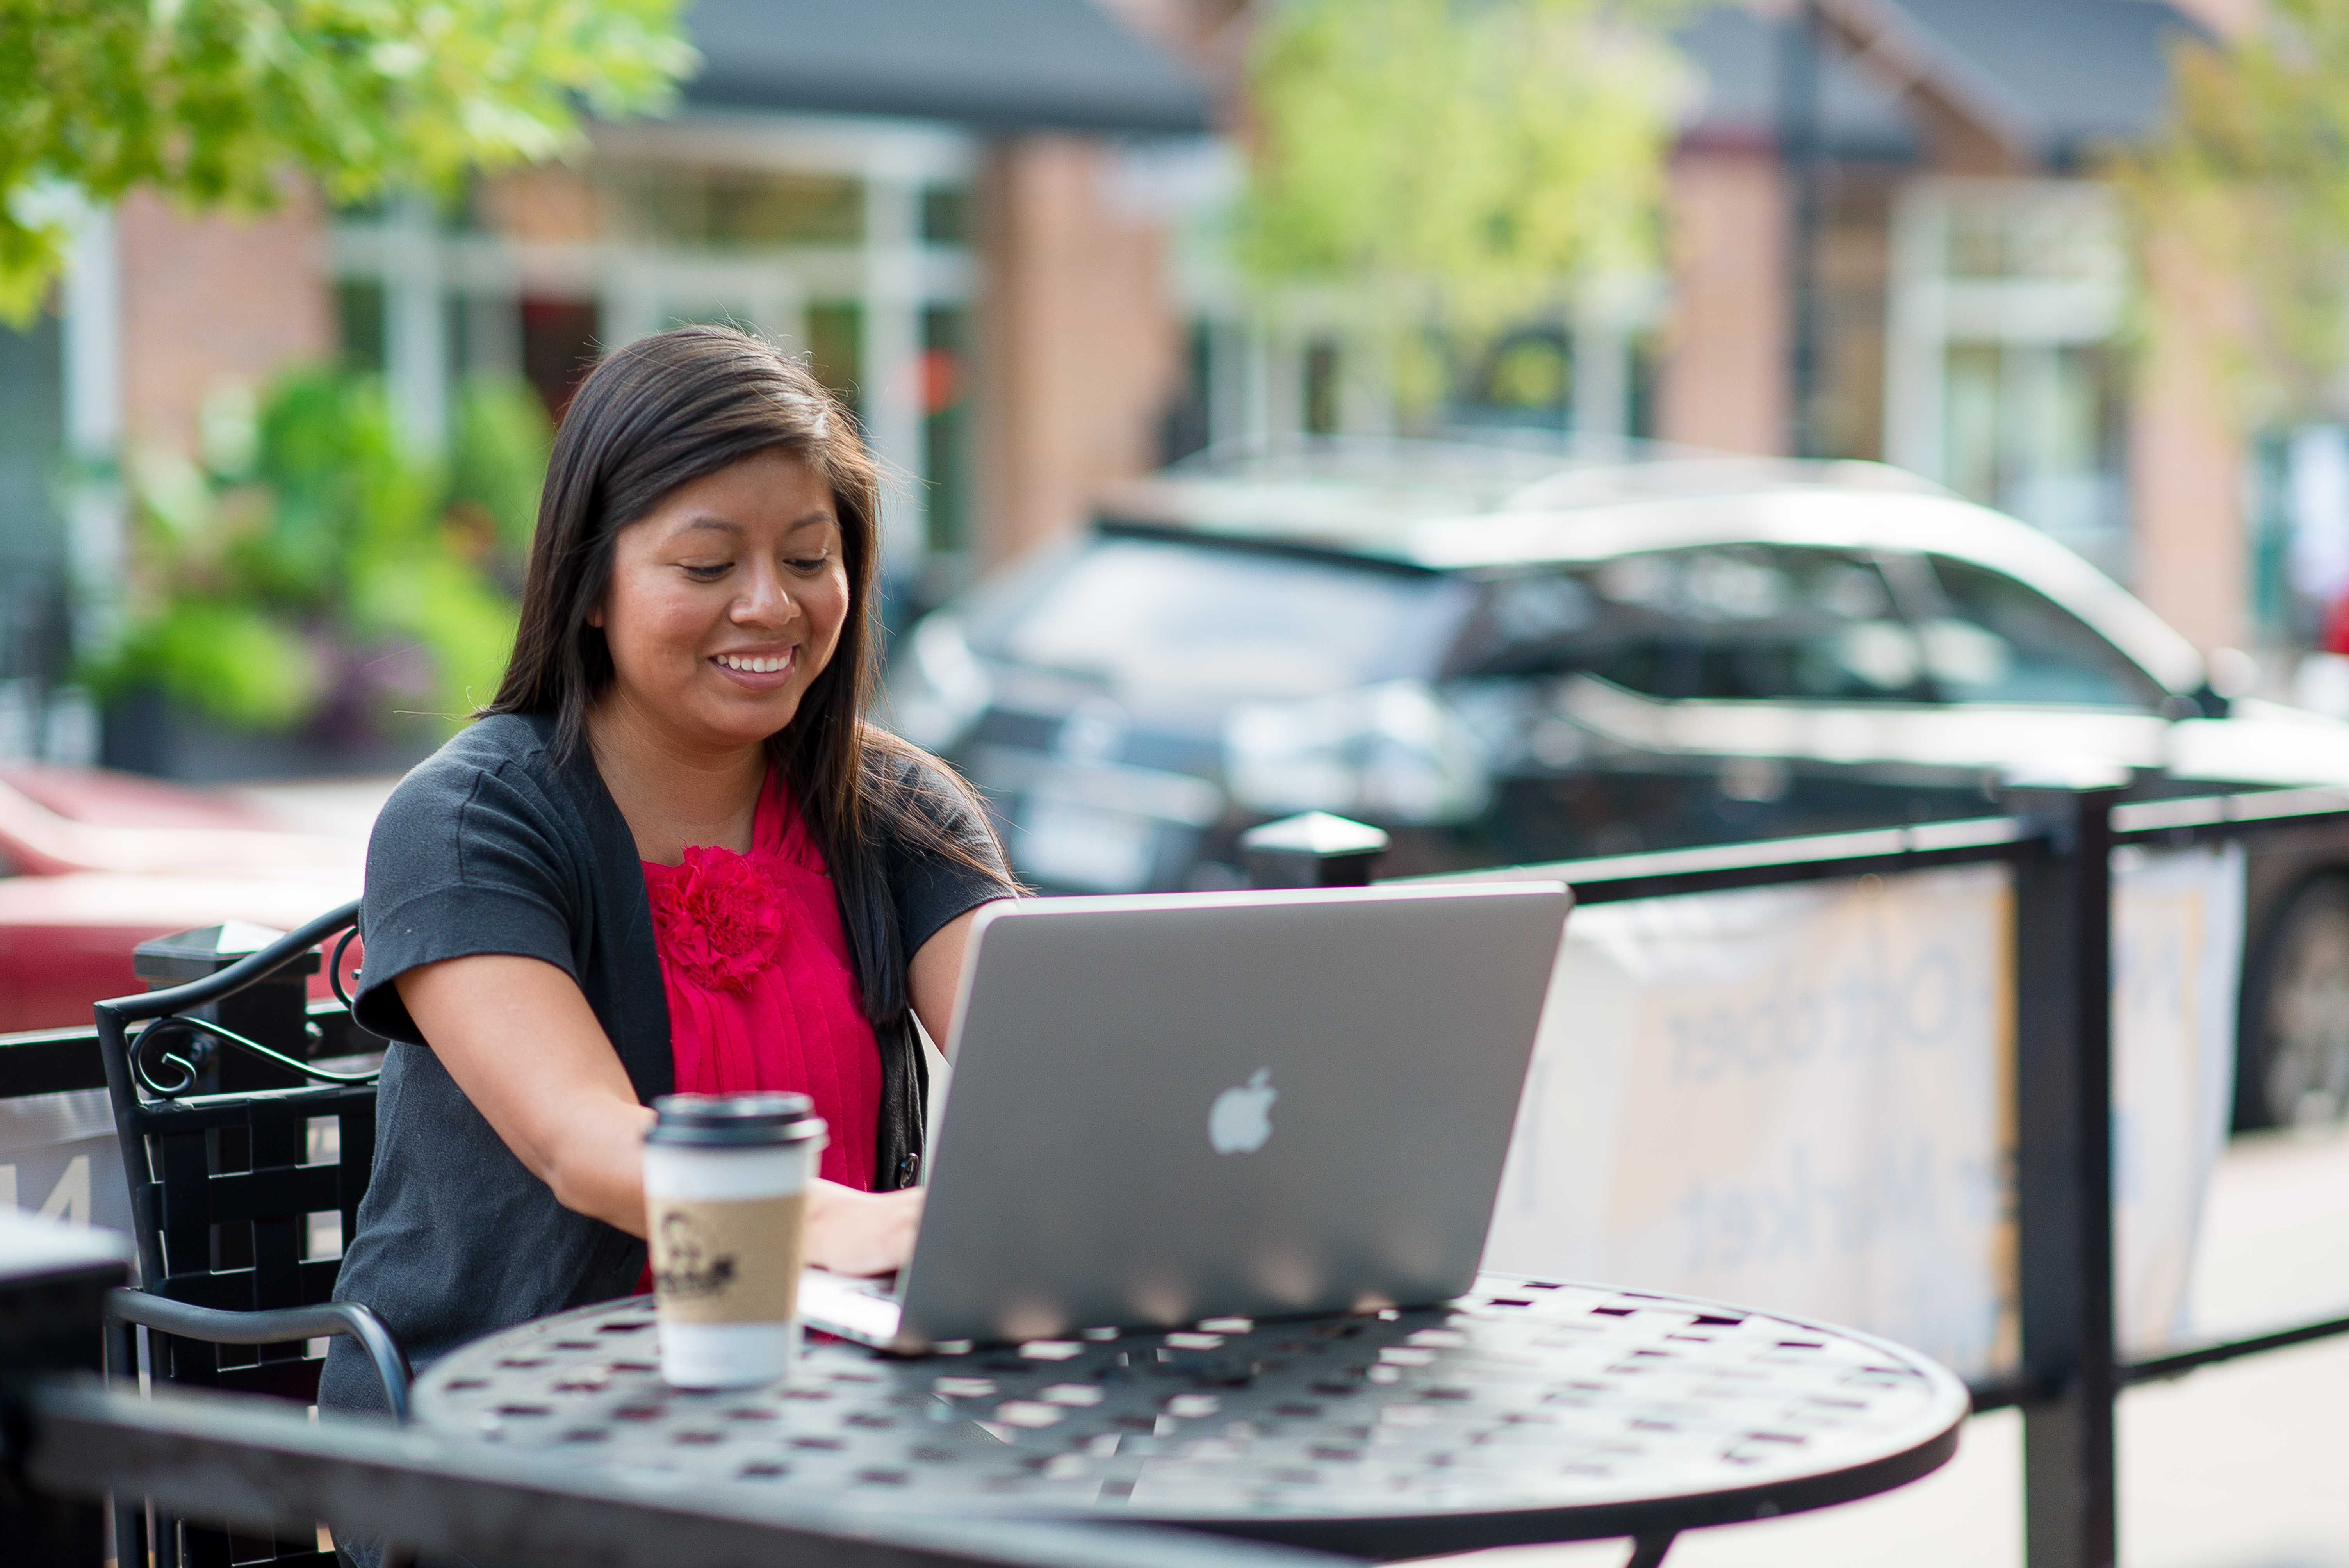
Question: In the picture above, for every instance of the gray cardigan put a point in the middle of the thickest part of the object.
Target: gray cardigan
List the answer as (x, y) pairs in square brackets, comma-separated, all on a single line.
[(491, 846)]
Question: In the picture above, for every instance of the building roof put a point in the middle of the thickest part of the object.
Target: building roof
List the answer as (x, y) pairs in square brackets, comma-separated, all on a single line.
[(2049, 79), (2052, 78), (1063, 64), (1739, 59)]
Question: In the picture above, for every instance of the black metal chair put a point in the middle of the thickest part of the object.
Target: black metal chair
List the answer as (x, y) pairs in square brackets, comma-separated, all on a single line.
[(227, 1190)]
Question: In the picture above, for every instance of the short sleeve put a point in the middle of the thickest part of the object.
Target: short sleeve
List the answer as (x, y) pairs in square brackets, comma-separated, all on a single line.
[(463, 860), (931, 882)]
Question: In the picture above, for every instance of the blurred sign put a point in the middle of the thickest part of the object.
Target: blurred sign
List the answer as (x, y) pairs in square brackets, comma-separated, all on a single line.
[(1800, 1098), (2317, 464), (2177, 949), (59, 1158)]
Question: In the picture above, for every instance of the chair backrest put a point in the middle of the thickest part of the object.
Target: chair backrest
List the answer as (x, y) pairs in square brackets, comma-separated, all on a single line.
[(238, 1201)]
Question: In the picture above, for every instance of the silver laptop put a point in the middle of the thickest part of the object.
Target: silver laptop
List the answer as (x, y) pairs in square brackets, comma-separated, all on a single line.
[(1177, 1107)]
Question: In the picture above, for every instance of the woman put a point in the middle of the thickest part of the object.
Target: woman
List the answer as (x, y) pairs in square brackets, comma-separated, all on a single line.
[(671, 854)]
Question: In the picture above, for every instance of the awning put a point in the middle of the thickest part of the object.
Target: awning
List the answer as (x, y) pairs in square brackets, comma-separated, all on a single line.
[(1007, 64), (1740, 60), (2052, 78)]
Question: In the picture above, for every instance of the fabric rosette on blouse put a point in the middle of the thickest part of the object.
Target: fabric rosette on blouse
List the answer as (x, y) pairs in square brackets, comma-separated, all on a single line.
[(719, 919)]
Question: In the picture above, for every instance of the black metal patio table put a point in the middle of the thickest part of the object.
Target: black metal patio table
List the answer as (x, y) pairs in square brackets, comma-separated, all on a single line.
[(1529, 1411)]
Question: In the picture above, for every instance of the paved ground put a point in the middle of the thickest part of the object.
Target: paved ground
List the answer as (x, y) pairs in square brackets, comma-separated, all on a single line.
[(2240, 1466)]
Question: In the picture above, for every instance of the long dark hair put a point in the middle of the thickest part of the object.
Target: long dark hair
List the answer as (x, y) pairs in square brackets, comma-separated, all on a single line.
[(662, 412)]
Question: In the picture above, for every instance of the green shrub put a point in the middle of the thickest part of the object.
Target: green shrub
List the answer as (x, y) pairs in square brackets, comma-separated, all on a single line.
[(308, 560)]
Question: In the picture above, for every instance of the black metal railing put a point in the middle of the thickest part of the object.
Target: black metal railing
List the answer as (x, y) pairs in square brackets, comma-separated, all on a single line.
[(2058, 840)]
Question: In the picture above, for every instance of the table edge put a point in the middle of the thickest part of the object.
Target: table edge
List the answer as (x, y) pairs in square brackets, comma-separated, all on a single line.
[(1388, 1537)]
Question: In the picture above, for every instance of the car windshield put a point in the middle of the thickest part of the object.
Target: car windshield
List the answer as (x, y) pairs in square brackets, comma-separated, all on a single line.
[(1204, 620)]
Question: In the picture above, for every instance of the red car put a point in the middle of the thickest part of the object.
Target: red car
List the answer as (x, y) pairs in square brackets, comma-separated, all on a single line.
[(93, 863)]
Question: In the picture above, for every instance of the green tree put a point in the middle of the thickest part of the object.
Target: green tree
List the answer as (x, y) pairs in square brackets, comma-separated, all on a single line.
[(213, 101), (2252, 172), (1448, 164)]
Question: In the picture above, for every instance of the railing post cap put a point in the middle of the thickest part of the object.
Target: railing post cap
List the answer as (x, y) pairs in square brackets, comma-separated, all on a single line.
[(1317, 833), (186, 956), (2073, 775)]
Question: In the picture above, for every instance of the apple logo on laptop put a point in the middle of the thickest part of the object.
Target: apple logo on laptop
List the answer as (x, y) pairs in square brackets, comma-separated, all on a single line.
[(1241, 1119)]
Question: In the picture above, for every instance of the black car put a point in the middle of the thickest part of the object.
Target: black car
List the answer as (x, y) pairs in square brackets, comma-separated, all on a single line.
[(1503, 670)]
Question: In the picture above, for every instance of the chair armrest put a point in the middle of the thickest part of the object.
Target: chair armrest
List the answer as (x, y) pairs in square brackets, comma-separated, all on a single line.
[(276, 1326), (252, 966)]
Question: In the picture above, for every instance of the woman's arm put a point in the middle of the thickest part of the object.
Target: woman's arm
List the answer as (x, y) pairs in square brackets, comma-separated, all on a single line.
[(936, 974), (520, 1040)]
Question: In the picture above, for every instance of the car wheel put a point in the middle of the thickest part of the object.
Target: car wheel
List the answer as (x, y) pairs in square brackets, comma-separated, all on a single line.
[(2294, 1067)]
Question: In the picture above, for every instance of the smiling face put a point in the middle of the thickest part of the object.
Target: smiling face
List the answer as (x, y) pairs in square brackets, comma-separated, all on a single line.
[(726, 603)]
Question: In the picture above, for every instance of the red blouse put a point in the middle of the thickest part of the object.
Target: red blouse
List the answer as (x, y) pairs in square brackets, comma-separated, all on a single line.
[(761, 991)]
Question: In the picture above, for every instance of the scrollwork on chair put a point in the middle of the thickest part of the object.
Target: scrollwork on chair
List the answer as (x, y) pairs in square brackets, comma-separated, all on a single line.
[(335, 970), (150, 1052)]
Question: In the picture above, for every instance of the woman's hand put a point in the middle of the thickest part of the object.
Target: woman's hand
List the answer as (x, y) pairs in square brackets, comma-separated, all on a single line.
[(854, 1233)]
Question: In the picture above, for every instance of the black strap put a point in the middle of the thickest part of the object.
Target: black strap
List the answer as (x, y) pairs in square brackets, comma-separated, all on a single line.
[(904, 1106)]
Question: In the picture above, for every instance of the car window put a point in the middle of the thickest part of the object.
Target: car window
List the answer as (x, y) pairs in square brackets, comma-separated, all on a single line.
[(1994, 639), (1735, 622), (1216, 622)]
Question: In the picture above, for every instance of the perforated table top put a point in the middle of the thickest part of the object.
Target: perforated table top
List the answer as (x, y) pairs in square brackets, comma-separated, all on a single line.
[(1527, 1410)]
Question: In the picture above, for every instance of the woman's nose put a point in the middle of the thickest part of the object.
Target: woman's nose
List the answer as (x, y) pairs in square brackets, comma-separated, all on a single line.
[(766, 599)]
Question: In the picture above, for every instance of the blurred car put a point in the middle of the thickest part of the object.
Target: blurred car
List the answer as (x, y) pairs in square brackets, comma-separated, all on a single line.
[(94, 862), (1501, 663)]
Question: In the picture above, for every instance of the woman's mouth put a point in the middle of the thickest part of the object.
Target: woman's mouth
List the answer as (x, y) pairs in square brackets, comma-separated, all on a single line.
[(763, 669)]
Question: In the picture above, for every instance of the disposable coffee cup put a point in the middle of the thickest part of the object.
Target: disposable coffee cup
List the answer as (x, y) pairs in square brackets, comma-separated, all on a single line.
[(726, 1185)]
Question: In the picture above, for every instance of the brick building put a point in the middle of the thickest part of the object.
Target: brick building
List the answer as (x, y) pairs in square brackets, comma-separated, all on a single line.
[(992, 225), (1970, 278)]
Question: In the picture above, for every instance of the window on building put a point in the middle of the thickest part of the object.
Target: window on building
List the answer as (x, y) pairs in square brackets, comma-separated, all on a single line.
[(1646, 357), (2001, 382), (1188, 424), (834, 241), (946, 426), (946, 215), (2035, 431), (486, 335), (1324, 391), (1594, 378), (559, 345), (1525, 380), (835, 331), (358, 318), (1998, 640), (717, 205), (32, 539)]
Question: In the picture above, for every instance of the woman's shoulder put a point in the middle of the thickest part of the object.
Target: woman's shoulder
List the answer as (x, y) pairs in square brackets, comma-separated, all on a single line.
[(507, 760), (939, 850), (918, 796), (518, 744)]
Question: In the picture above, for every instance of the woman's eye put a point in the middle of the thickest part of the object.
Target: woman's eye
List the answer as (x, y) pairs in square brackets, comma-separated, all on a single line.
[(710, 573), (812, 564)]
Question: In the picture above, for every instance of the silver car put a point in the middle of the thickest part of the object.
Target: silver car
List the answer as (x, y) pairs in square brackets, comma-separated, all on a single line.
[(1502, 662)]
